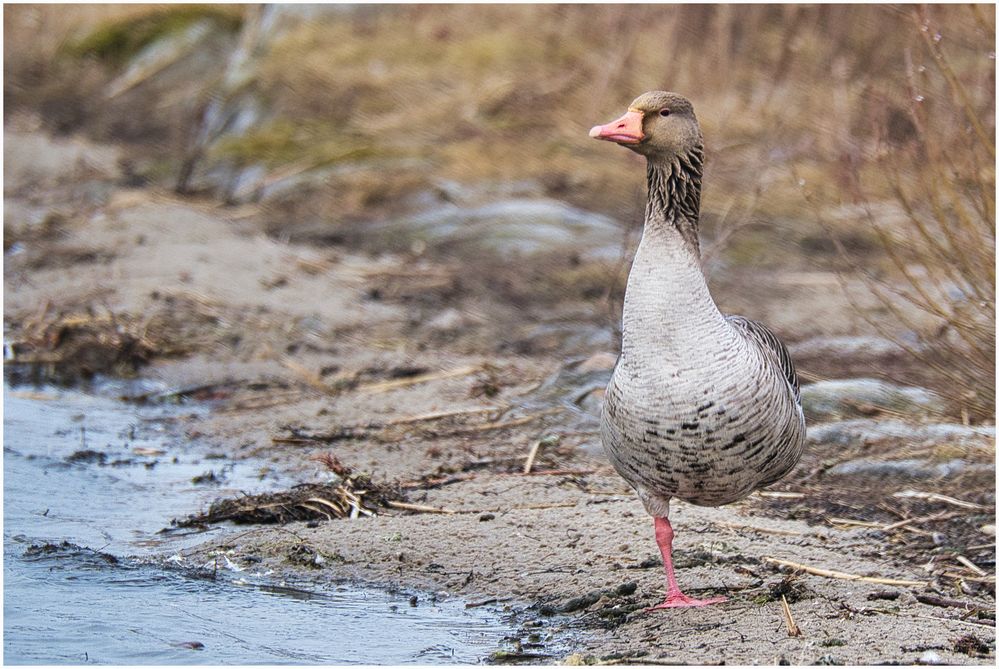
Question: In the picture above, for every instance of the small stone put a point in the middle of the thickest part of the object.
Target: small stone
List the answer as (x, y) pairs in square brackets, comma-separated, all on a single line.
[(626, 589), (578, 603), (930, 657), (486, 516)]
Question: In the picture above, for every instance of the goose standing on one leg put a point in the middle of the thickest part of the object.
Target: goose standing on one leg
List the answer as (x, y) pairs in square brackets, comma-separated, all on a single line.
[(701, 406)]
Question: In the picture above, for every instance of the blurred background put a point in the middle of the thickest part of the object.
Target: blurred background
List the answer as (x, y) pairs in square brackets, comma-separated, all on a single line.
[(849, 194)]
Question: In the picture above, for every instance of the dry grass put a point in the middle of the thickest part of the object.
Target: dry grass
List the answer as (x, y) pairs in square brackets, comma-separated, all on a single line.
[(775, 87), (939, 241), (824, 95)]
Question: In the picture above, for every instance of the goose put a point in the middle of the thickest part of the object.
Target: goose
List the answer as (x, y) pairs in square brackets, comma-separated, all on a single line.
[(701, 406)]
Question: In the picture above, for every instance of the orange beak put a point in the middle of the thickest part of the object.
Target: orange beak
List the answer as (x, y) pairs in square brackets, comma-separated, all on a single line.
[(625, 130)]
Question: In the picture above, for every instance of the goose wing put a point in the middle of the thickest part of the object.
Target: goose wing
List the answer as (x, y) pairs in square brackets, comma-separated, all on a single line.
[(768, 341)]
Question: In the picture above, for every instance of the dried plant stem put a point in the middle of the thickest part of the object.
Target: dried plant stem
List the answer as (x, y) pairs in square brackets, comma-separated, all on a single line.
[(937, 497), (792, 627), (531, 455), (970, 565), (830, 573), (420, 508), (438, 415), (934, 45), (384, 386), (502, 425), (976, 623)]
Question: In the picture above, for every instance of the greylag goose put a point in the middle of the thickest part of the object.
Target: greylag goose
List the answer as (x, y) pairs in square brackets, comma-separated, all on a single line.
[(701, 406)]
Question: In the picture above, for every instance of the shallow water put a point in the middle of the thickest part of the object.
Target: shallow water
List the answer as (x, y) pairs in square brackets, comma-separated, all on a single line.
[(81, 585)]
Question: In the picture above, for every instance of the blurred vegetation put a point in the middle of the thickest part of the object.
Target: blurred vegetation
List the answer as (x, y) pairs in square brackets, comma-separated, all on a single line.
[(282, 142), (851, 137), (117, 40), (943, 251)]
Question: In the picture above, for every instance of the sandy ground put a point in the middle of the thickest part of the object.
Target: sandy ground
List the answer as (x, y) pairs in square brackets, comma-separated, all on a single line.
[(300, 357)]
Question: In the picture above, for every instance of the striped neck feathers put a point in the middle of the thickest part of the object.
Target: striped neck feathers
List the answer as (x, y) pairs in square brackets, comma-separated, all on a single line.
[(675, 194)]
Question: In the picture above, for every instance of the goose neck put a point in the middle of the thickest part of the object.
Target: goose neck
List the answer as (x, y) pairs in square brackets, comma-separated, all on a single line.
[(674, 199)]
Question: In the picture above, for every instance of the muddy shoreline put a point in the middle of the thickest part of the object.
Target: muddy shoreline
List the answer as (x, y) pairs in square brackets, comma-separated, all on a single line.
[(402, 369)]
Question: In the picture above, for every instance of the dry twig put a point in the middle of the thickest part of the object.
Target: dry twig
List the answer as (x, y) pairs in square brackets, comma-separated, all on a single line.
[(829, 573), (937, 497), (419, 508), (438, 415), (559, 472), (501, 425), (854, 523), (933, 600), (970, 565), (384, 386), (965, 577), (531, 455), (792, 627), (902, 524), (976, 623)]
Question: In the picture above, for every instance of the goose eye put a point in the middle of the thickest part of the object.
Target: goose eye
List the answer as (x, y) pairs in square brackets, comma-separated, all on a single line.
[(664, 112)]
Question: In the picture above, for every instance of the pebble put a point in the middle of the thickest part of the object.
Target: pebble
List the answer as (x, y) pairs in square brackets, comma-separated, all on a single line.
[(626, 589), (930, 657)]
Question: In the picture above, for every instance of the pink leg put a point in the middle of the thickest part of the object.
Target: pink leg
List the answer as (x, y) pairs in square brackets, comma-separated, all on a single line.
[(674, 598)]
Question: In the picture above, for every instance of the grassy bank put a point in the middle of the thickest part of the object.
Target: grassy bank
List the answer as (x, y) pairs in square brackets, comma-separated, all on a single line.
[(859, 138)]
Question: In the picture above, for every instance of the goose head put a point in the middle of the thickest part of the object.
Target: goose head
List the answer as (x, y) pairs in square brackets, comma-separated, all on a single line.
[(659, 125)]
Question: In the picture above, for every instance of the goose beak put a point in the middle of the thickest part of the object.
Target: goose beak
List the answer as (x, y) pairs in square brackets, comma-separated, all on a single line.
[(625, 130)]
